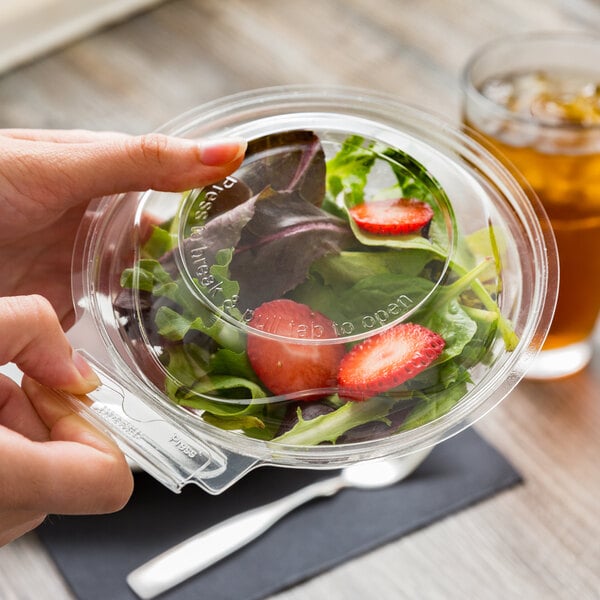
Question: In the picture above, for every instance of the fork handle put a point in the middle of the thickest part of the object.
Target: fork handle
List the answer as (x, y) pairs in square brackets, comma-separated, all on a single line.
[(208, 547)]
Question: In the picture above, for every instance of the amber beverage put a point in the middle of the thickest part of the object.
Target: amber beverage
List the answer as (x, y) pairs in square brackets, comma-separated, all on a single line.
[(536, 101)]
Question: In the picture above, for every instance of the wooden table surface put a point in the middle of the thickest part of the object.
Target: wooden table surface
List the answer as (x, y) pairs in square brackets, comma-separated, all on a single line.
[(538, 540)]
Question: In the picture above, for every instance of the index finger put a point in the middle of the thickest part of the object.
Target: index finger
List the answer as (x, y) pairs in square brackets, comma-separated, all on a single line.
[(61, 136)]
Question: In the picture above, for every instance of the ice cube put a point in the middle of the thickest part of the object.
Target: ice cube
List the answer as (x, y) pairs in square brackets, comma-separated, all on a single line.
[(498, 90)]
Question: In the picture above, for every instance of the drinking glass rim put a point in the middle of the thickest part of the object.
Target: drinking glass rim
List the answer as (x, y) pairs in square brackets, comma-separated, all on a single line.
[(471, 91)]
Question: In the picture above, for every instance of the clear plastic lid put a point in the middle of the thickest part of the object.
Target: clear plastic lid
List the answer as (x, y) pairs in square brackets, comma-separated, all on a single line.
[(368, 279)]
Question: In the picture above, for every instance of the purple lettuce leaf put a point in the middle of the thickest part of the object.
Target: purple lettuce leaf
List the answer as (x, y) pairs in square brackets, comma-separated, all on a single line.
[(285, 161), (272, 219), (280, 243)]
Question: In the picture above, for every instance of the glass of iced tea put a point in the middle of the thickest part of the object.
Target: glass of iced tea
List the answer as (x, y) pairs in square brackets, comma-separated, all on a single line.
[(535, 101)]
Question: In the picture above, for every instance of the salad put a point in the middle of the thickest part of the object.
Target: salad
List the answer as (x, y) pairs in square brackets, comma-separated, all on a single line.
[(320, 295)]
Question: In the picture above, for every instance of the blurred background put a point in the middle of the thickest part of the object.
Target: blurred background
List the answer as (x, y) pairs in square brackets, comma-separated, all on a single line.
[(134, 64)]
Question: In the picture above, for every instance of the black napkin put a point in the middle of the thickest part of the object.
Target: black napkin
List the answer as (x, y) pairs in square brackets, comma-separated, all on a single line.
[(96, 553)]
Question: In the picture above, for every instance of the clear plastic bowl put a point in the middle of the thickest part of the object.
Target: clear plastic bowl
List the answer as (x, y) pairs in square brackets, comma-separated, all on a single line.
[(171, 290)]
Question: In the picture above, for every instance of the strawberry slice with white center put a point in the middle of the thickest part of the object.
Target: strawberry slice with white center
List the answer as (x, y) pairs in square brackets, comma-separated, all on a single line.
[(392, 217), (285, 366), (387, 359)]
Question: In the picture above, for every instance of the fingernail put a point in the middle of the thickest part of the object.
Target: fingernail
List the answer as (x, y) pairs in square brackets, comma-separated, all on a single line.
[(86, 371), (214, 153)]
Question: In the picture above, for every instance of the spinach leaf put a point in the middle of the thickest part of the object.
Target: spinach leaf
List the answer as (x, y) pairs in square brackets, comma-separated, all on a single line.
[(393, 292), (347, 174), (436, 403), (211, 382), (329, 427), (349, 267), (455, 326), (160, 242), (197, 384), (353, 286)]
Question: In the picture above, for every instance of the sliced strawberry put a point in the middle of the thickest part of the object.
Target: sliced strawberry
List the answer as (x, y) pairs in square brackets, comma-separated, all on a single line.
[(285, 366), (388, 359), (392, 217)]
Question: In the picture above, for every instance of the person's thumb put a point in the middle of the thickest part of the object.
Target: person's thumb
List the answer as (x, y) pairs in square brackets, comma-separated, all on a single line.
[(34, 340)]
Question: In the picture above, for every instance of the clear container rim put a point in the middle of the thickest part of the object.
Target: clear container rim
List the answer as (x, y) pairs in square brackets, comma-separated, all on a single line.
[(512, 366)]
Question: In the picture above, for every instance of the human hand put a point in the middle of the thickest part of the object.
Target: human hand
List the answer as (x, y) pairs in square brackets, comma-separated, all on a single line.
[(52, 460), (47, 178)]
